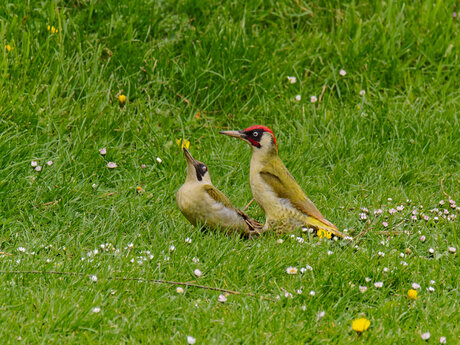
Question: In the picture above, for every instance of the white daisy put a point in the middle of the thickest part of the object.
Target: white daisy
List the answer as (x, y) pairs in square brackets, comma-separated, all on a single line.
[(190, 340), (103, 151), (172, 248), (197, 272), (378, 284), (111, 165), (222, 299), (362, 93), (292, 80), (180, 290), (342, 72), (426, 336), (159, 160), (38, 168), (96, 310), (363, 289), (49, 163), (313, 99), (188, 240), (415, 286), (453, 250), (93, 278), (312, 293), (298, 98), (33, 164), (279, 241), (291, 270)]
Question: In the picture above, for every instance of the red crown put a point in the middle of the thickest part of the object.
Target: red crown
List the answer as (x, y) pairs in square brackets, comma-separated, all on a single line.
[(265, 129)]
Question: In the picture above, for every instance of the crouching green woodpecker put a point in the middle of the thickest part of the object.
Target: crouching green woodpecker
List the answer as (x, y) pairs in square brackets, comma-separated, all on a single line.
[(202, 203), (285, 204)]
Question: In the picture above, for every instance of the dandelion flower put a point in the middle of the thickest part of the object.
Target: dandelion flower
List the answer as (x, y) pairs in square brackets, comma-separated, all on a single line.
[(291, 270), (313, 99), (198, 273), (426, 336), (180, 290), (183, 143), (8, 48), (342, 72), (122, 99), (111, 165), (378, 284), (52, 29), (292, 80), (298, 98), (103, 151), (362, 93), (360, 325), (190, 340), (96, 310), (412, 294)]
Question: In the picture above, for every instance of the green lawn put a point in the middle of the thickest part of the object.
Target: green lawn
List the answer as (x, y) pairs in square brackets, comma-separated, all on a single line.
[(189, 69)]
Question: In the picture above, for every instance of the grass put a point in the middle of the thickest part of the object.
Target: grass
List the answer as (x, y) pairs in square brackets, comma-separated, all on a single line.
[(189, 69)]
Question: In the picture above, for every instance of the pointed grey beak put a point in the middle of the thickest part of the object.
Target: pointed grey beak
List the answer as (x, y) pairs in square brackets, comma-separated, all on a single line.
[(188, 157), (235, 134)]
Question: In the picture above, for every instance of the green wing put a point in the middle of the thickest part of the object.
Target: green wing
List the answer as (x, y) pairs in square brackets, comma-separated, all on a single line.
[(285, 186), (218, 196)]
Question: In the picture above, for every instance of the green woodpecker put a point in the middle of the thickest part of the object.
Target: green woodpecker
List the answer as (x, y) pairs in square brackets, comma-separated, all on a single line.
[(285, 204), (202, 203)]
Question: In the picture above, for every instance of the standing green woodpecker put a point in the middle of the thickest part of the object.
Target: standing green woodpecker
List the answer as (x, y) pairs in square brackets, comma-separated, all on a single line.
[(285, 204), (202, 203)]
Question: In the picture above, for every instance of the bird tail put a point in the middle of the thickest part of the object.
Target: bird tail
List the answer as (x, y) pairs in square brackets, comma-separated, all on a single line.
[(252, 223), (324, 228)]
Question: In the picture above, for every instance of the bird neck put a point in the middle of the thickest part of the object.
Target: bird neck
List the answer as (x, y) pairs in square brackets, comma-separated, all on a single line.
[(263, 155)]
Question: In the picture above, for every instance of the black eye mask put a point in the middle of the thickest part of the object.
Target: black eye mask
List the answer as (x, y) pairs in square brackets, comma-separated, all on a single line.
[(200, 169)]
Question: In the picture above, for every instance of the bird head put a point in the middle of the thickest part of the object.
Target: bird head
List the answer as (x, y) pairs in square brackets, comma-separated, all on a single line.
[(260, 138), (196, 170)]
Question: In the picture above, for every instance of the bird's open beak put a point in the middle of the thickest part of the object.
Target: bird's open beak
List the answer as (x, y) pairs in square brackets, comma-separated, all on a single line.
[(236, 134), (189, 158)]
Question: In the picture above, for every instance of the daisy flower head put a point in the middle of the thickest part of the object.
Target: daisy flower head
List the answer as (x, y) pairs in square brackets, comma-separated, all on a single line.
[(38, 168), (415, 286), (190, 340), (378, 284), (103, 151), (111, 165), (291, 270), (313, 99), (298, 98), (292, 80), (96, 310), (222, 298), (360, 325), (343, 73), (426, 336), (363, 289), (362, 92), (49, 163), (179, 290)]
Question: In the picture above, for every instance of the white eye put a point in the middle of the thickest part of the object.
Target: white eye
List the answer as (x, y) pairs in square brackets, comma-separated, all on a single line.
[(204, 168), (255, 134)]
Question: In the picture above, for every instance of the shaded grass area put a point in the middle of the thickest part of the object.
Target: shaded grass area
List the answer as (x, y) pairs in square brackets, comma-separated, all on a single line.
[(189, 69)]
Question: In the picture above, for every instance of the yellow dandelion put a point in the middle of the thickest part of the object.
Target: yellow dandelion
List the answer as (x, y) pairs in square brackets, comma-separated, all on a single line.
[(358, 106), (122, 99), (52, 29), (412, 294), (139, 189), (183, 143), (8, 48), (360, 325), (324, 234)]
